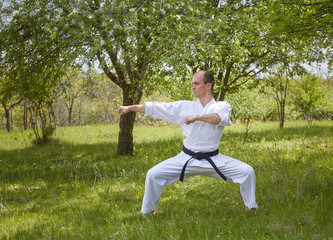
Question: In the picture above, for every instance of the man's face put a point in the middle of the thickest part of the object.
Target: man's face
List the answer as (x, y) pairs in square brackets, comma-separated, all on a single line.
[(199, 88)]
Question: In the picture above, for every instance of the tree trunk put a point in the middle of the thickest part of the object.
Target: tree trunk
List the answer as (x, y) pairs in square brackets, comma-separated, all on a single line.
[(125, 141), (11, 118), (70, 110), (283, 103), (32, 119), (283, 106), (282, 117), (222, 95), (131, 95), (7, 113), (25, 116)]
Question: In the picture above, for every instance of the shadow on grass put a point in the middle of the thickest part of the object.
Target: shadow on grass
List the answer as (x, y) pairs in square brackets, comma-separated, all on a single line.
[(66, 170), (62, 164), (59, 180)]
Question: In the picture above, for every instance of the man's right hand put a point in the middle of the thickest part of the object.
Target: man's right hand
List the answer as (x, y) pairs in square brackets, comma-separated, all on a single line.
[(123, 110), (134, 108)]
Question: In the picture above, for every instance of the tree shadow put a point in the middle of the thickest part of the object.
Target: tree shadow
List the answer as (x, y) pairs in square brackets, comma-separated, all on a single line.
[(62, 171), (63, 163), (36, 173)]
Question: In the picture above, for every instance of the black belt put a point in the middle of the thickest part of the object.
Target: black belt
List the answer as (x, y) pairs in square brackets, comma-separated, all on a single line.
[(200, 156)]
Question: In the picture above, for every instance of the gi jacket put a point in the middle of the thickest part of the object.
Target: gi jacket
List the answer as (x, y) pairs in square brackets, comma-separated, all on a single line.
[(199, 136)]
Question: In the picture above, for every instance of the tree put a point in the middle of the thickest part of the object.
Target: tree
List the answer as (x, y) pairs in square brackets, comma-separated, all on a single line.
[(230, 40), (8, 98), (74, 84), (280, 84), (247, 105), (8, 105), (279, 80), (127, 37), (238, 40), (136, 41), (310, 22), (33, 57), (307, 95)]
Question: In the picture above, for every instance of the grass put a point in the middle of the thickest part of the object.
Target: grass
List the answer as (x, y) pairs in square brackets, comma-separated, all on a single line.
[(78, 187)]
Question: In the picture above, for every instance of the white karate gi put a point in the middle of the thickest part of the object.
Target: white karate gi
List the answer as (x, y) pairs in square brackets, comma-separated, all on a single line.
[(200, 137)]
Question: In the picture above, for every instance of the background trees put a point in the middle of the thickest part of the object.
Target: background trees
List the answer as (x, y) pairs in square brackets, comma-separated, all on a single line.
[(141, 46), (33, 57), (309, 96), (234, 39), (8, 98), (128, 38), (309, 22), (74, 84)]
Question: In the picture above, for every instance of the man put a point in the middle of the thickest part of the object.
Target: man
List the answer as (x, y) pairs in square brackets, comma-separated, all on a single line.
[(202, 122)]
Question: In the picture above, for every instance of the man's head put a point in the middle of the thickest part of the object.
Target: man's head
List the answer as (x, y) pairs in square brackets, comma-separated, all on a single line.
[(202, 83)]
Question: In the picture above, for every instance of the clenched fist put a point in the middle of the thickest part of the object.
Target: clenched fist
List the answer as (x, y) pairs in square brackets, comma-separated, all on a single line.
[(190, 119), (123, 110)]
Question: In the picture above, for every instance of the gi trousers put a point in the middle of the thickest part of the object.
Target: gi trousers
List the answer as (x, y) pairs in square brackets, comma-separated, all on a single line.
[(168, 172)]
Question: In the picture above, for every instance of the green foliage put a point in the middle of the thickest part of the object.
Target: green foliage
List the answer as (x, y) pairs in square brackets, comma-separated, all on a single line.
[(141, 45), (95, 104), (74, 83), (34, 58), (247, 106), (77, 186), (309, 22), (308, 95), (279, 83), (234, 39)]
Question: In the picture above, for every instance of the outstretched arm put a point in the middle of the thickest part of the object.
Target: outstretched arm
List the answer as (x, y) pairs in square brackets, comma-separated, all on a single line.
[(132, 108), (212, 118)]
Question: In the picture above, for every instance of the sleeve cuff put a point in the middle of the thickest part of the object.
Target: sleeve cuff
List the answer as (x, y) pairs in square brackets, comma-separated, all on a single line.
[(148, 109)]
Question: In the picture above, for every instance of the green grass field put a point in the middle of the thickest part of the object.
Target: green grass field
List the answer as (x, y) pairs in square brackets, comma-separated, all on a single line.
[(78, 187)]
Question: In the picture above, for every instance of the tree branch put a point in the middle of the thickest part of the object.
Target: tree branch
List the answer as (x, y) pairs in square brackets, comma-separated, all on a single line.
[(107, 71)]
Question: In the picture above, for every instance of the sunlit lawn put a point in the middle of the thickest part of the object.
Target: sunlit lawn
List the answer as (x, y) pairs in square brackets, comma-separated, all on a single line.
[(78, 187)]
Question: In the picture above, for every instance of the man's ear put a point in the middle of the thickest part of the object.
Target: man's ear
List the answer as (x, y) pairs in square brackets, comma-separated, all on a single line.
[(209, 86)]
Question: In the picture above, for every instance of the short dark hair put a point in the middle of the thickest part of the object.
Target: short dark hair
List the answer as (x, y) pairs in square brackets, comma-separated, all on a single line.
[(208, 77)]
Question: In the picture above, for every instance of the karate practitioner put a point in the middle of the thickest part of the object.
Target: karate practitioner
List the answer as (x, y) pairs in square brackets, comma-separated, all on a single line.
[(202, 122)]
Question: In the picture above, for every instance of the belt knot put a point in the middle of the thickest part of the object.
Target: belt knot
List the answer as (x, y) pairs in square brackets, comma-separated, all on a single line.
[(200, 156)]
